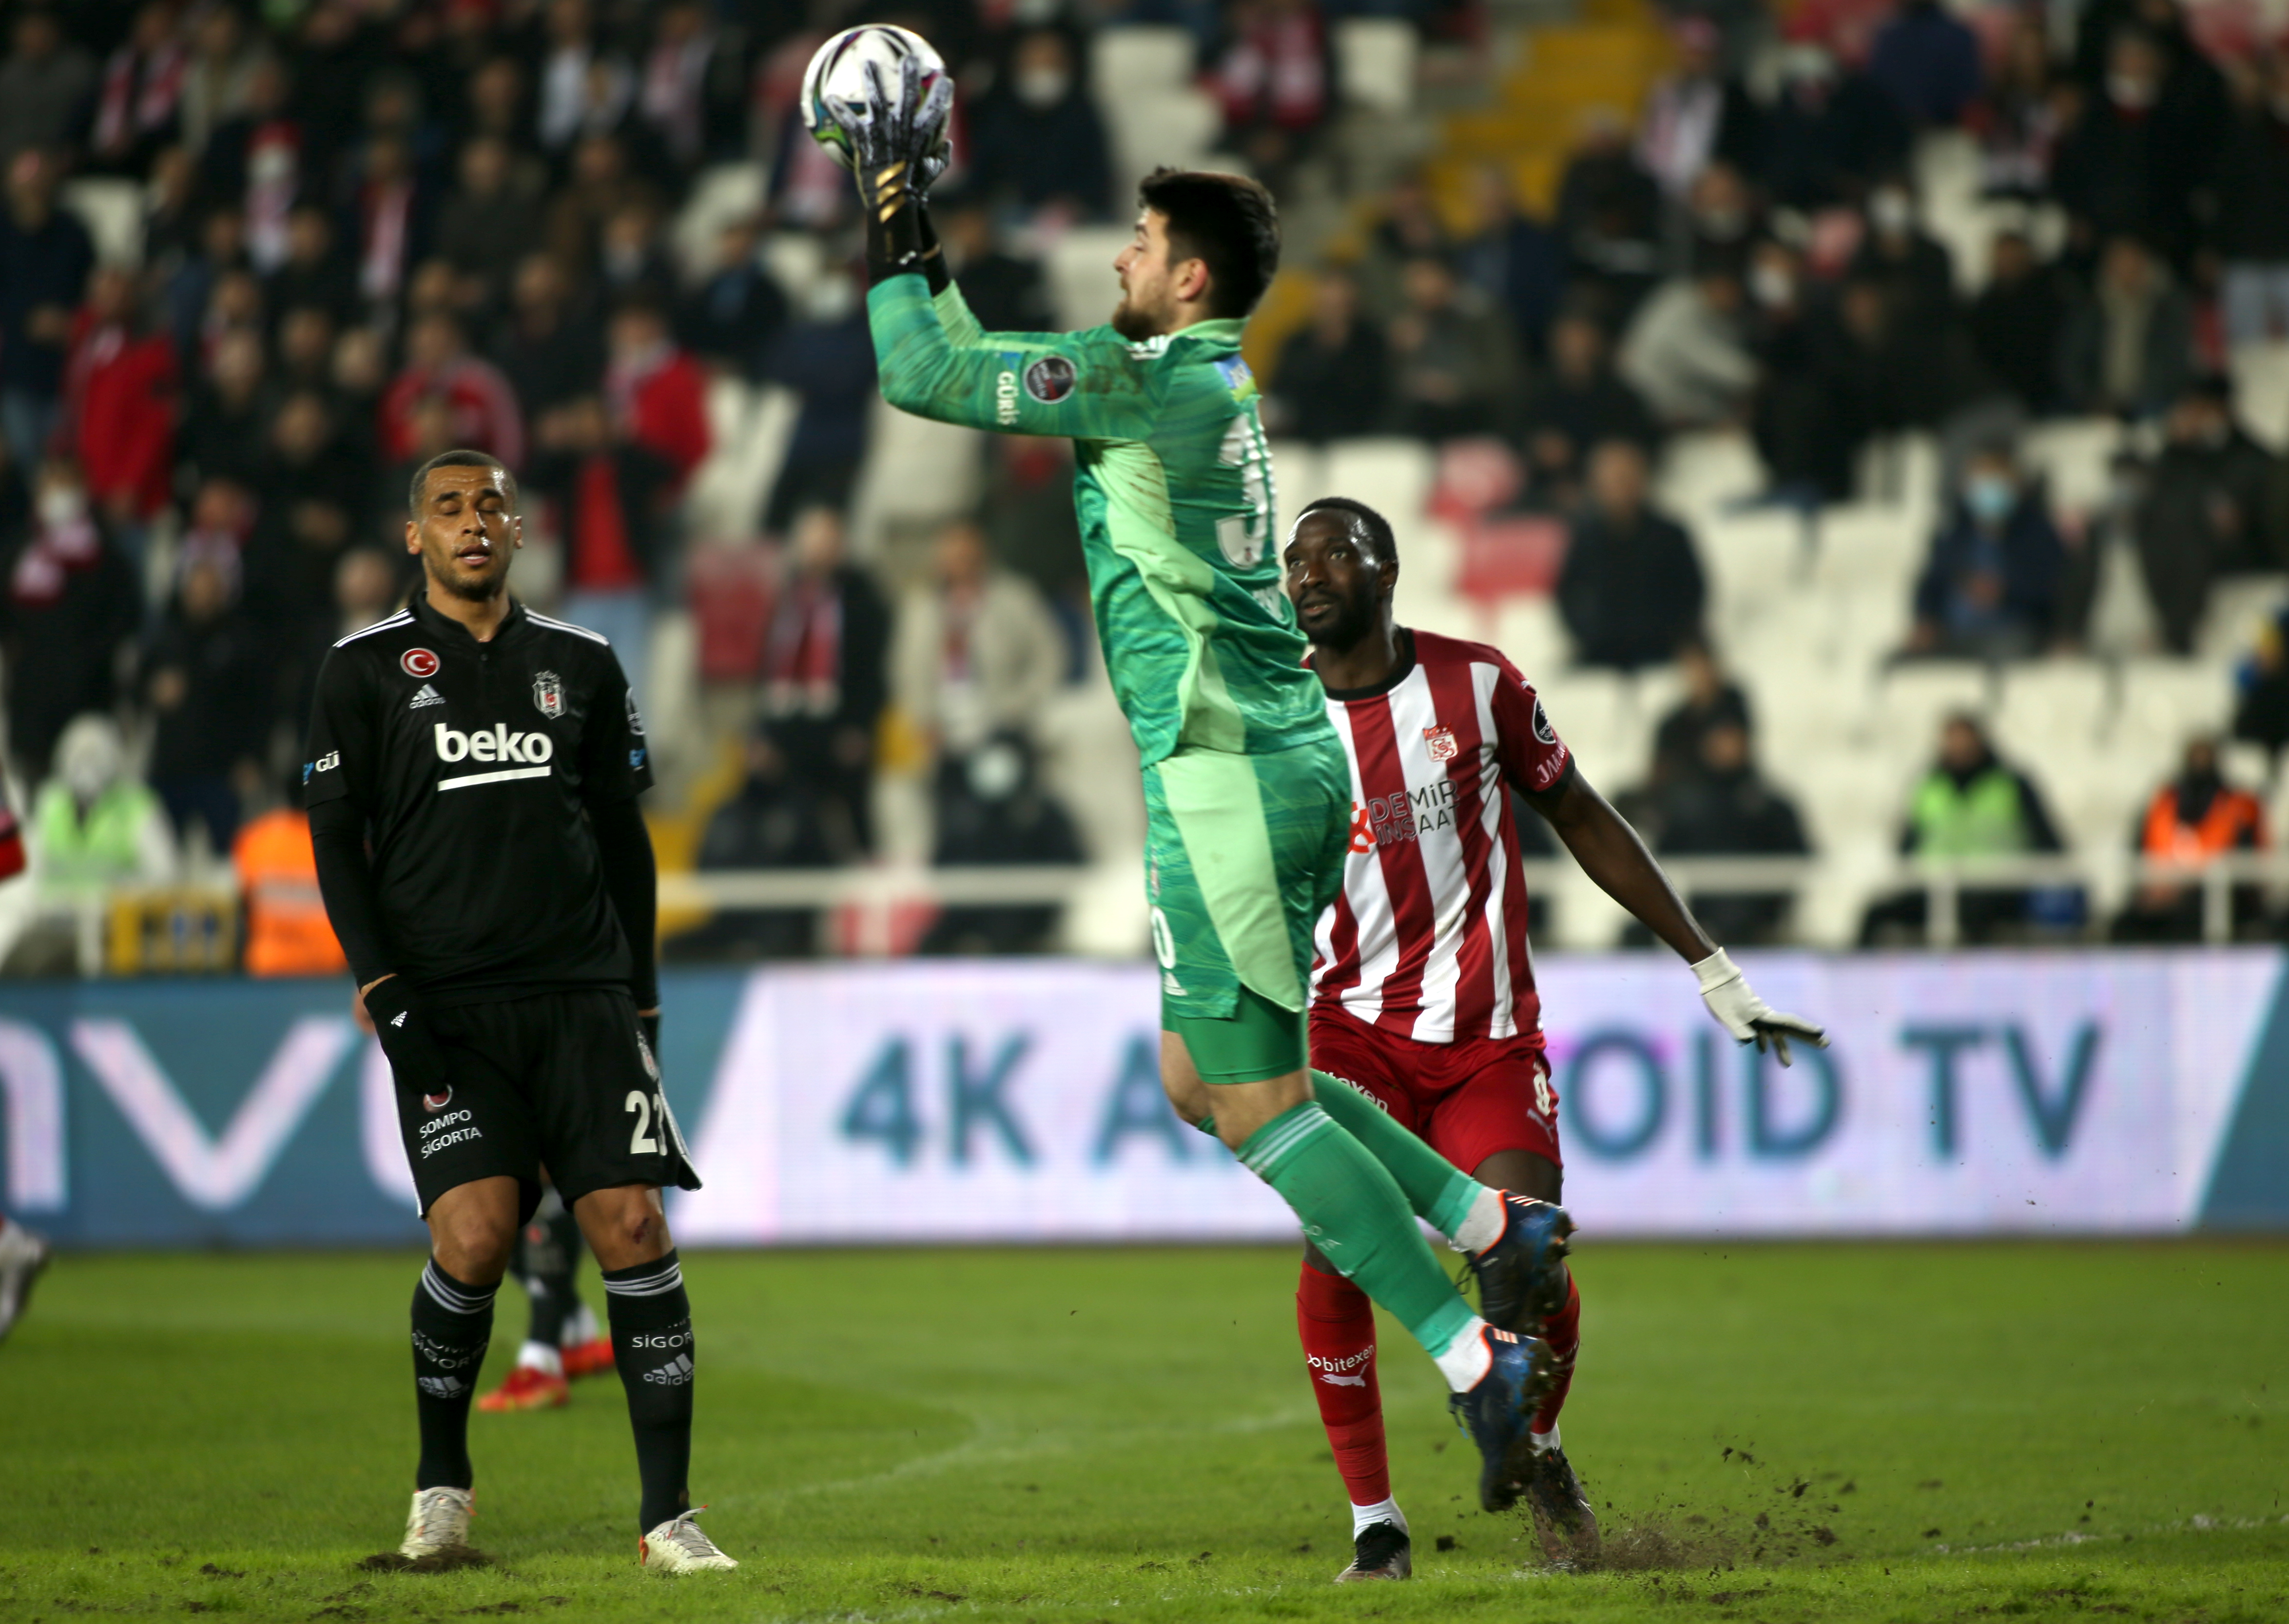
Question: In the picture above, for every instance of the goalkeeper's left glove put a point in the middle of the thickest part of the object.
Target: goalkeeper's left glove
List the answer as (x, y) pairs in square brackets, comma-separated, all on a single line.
[(1748, 1018), (897, 143)]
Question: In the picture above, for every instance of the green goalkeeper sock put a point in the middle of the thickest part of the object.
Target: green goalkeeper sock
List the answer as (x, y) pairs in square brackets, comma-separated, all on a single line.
[(1354, 1213), (1441, 1194)]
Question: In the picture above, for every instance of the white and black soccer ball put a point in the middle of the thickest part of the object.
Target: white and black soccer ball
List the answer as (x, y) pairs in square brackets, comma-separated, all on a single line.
[(837, 76)]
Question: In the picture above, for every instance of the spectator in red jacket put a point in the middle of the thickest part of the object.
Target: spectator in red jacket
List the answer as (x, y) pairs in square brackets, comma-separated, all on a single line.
[(119, 405), (615, 467), (438, 362)]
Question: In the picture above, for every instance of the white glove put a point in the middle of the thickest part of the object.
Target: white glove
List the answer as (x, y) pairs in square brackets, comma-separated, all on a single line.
[(1748, 1018)]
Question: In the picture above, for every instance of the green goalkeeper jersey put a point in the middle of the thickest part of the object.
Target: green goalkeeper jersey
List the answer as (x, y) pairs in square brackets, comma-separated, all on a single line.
[(1172, 486)]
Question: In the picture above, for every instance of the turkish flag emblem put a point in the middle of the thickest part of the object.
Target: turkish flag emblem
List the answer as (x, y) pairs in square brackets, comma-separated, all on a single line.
[(418, 662)]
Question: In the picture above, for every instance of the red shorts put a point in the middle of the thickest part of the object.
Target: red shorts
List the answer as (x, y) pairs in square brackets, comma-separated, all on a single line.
[(1466, 1100)]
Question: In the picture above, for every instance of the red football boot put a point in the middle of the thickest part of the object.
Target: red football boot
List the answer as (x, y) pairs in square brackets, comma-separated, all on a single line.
[(592, 1358), (527, 1388)]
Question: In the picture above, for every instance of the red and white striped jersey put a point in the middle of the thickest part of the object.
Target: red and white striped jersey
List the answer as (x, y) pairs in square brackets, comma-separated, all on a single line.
[(1428, 939)]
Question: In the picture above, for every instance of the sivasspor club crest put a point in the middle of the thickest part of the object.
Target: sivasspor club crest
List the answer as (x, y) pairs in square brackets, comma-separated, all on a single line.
[(1441, 740), (547, 693)]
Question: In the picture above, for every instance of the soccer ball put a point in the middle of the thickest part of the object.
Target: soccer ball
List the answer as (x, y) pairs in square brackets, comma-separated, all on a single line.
[(837, 76)]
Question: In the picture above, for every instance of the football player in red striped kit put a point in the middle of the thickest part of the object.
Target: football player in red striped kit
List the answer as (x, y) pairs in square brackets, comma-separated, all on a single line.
[(1423, 992)]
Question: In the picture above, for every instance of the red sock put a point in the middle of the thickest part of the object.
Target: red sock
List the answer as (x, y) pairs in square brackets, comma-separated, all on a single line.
[(1563, 1332), (1338, 1325)]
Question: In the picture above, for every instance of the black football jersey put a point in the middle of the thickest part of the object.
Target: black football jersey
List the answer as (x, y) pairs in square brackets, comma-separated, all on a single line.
[(473, 765)]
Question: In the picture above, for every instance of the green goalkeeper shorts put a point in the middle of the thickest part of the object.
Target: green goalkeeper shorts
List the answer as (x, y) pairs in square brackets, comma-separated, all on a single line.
[(1242, 854)]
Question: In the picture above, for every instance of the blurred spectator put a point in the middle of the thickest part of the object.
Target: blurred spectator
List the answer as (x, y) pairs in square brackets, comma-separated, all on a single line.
[(1971, 805), (391, 219), (1513, 262), (207, 677), (774, 821), (223, 62), (45, 256), (2253, 207), (369, 585), (306, 508), (1003, 290), (1808, 417), (1272, 77), (730, 317), (221, 433), (46, 86), (632, 260), (72, 601), (602, 183), (1037, 140), (2129, 347), (1609, 215), (255, 164), (975, 652), (1712, 700), (438, 364), (2212, 507), (1725, 809), (1830, 134), (616, 468), (1990, 588), (1685, 353), (549, 355), (1411, 228), (2025, 110), (1721, 213), (119, 393), (579, 82), (2017, 320), (1916, 270), (827, 356), (489, 222), (2192, 820), (95, 825), (1630, 592), (692, 92), (306, 348), (1579, 401), (1334, 372), (991, 809), (1454, 359), (1699, 114), (287, 932), (139, 101), (2261, 712), (825, 677), (1927, 59), (2133, 159)]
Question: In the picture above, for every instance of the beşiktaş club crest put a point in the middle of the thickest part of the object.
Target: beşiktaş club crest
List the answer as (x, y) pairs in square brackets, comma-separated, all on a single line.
[(547, 693), (1441, 741)]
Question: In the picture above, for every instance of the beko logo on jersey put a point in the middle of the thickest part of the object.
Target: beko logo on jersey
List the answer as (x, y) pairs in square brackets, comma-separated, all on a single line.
[(498, 745)]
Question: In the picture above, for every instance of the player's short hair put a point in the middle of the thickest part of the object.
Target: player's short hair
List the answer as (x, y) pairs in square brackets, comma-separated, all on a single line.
[(461, 457), (1227, 222), (1379, 533)]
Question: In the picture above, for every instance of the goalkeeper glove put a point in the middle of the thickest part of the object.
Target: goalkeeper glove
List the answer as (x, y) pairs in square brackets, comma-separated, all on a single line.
[(897, 142), (1748, 1018)]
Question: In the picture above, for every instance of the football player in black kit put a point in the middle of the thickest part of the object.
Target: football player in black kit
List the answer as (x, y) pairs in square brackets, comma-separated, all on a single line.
[(472, 778)]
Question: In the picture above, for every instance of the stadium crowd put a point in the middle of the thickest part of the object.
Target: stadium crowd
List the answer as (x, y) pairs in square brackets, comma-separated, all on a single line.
[(258, 262)]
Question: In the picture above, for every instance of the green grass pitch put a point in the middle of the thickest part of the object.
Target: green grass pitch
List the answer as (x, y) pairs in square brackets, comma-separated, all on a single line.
[(1918, 1432)]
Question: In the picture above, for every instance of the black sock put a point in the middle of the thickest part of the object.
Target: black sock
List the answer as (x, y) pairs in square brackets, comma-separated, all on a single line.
[(549, 1254), (451, 1324), (652, 1347)]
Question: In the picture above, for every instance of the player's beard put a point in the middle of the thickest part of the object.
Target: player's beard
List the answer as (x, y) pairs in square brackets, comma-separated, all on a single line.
[(469, 589), (1134, 324), (1355, 621)]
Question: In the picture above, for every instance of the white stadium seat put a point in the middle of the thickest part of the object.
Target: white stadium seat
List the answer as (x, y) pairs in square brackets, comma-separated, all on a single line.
[(1528, 630), (1298, 478), (1138, 61), (2073, 455), (1701, 473), (2261, 389), (2066, 700), (2238, 609), (1588, 708), (1375, 63), (2162, 702), (1390, 475), (1915, 697), (1865, 545)]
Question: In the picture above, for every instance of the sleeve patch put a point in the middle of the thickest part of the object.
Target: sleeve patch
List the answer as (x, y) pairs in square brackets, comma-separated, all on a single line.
[(1542, 730), (1051, 379)]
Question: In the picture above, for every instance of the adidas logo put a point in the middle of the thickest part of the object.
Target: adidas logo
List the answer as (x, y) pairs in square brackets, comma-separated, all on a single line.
[(446, 1386), (675, 1373), (424, 695), (400, 1020)]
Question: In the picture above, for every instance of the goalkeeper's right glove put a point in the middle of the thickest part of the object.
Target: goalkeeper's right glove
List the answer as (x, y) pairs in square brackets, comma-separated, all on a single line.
[(403, 1024), (897, 142)]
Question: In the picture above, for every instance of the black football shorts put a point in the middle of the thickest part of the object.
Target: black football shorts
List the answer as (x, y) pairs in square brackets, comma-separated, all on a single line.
[(561, 1080)]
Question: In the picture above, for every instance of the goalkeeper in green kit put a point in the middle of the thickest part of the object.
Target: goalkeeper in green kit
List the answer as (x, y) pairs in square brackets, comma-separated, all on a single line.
[(1247, 790)]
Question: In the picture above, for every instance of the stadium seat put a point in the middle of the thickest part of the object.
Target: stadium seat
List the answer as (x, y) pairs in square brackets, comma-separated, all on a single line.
[(1298, 477), (2072, 455), (1863, 545), (1148, 128), (112, 210), (2261, 389), (1701, 473), (1528, 630), (2162, 702), (1079, 269), (1915, 696), (2066, 700), (1390, 475), (1749, 558), (1590, 710), (1375, 63), (2238, 609), (1140, 60)]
